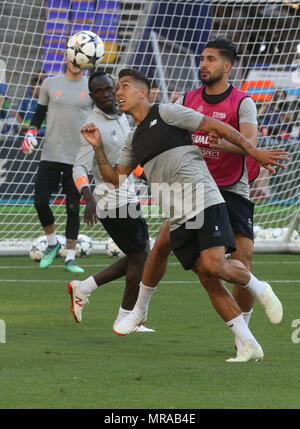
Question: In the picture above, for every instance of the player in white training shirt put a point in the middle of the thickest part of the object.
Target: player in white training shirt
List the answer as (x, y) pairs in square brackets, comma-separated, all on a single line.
[(113, 207)]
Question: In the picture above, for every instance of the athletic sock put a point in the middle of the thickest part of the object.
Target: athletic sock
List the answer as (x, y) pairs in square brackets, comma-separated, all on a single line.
[(88, 285), (70, 254), (240, 329), (255, 286), (144, 297), (52, 240), (122, 313), (247, 315)]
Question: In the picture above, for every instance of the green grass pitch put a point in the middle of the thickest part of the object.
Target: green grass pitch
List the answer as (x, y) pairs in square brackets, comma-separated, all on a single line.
[(50, 362)]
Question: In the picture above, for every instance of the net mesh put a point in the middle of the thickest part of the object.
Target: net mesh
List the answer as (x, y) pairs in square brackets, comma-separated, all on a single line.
[(164, 39)]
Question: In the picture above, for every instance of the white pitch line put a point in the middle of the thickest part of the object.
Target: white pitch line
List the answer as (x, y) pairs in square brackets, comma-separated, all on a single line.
[(6, 267)]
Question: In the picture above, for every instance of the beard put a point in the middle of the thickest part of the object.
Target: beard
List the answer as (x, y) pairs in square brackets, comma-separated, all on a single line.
[(208, 81)]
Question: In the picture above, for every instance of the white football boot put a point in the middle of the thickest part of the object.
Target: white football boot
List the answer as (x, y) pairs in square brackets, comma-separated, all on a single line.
[(78, 300), (247, 353), (129, 323), (271, 304)]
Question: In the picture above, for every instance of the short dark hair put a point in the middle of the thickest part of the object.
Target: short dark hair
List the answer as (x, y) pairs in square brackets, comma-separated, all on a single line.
[(137, 75), (225, 46), (96, 74), (36, 80)]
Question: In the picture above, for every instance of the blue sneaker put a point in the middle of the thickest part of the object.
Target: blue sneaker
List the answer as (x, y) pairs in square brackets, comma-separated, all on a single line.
[(49, 255)]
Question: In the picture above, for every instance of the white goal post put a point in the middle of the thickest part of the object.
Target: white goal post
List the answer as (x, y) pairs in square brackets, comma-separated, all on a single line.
[(164, 39)]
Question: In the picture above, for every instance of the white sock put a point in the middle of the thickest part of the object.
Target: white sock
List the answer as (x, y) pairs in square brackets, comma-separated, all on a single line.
[(144, 297), (88, 285), (70, 254), (255, 286), (51, 238), (122, 313), (247, 315), (241, 331)]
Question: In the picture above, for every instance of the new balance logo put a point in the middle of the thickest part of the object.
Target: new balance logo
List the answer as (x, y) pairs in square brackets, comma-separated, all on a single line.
[(78, 301), (152, 123), (216, 232)]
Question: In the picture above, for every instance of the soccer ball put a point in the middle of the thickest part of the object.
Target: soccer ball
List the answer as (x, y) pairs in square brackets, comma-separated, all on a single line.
[(38, 248), (112, 250), (268, 234), (260, 234), (256, 230), (85, 50), (295, 235), (84, 245)]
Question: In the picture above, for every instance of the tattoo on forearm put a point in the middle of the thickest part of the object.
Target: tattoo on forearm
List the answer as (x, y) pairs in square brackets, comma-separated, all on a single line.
[(106, 169), (238, 139), (102, 161), (229, 134)]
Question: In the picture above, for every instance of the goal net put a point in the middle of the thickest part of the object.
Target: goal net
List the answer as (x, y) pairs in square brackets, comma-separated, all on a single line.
[(164, 39)]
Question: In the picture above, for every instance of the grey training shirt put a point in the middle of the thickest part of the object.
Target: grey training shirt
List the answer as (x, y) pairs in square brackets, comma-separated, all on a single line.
[(182, 166), (69, 104)]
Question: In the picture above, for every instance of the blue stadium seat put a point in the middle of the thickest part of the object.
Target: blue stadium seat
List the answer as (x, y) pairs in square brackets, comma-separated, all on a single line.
[(56, 35)]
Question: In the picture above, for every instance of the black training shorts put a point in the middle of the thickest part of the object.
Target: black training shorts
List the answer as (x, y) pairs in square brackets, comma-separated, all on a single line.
[(215, 232), (129, 233), (240, 211)]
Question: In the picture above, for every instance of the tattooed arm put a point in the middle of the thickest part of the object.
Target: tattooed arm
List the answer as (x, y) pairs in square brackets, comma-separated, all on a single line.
[(264, 157)]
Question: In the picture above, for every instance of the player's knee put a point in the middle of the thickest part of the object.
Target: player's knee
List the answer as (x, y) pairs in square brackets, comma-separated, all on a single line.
[(213, 267), (72, 209), (163, 242), (44, 212), (41, 205), (163, 246), (139, 258), (245, 259)]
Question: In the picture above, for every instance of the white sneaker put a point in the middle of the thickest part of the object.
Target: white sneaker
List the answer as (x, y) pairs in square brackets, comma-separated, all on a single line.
[(248, 352), (129, 323), (78, 299), (271, 304)]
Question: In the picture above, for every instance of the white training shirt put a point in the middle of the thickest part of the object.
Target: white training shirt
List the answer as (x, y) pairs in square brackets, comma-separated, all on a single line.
[(114, 130)]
